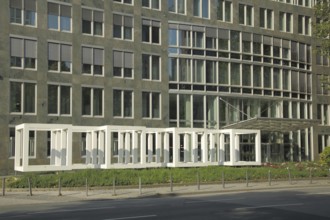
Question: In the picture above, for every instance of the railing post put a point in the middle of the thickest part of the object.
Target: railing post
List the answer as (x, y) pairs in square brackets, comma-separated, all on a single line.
[(3, 186), (198, 182), (223, 179), (247, 178), (140, 186), (114, 186), (59, 187), (289, 172), (86, 186), (171, 182), (30, 187), (310, 176), (269, 178)]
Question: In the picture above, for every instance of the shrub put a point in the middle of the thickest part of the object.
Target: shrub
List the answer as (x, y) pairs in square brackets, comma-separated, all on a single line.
[(325, 157)]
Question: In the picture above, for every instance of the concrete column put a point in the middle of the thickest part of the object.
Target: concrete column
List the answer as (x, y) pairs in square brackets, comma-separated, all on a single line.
[(186, 146), (58, 148), (204, 148), (127, 147), (52, 147), (69, 147), (143, 148), (18, 147), (222, 149), (150, 147), (135, 147), (166, 148), (194, 147), (232, 148), (94, 147), (88, 147), (120, 147), (158, 146), (107, 150), (258, 146), (176, 148), (63, 146), (101, 147), (236, 151), (212, 148)]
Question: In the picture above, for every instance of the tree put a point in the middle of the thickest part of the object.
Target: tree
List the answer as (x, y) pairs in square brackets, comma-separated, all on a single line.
[(325, 157), (321, 27)]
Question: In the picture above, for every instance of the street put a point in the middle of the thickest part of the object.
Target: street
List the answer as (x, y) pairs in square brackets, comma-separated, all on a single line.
[(302, 203)]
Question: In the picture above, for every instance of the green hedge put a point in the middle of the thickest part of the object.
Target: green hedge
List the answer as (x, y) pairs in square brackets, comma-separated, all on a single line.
[(126, 177)]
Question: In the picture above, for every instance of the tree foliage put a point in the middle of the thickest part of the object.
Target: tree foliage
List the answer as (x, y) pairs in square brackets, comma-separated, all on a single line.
[(321, 27), (325, 157)]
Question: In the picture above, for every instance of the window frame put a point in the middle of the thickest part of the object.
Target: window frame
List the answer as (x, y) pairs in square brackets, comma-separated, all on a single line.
[(60, 58), (150, 103), (92, 21), (92, 101), (92, 59), (122, 103), (23, 52), (22, 98), (59, 17), (59, 99), (23, 11)]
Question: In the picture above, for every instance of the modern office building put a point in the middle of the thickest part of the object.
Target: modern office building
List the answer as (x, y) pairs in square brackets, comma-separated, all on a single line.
[(198, 66)]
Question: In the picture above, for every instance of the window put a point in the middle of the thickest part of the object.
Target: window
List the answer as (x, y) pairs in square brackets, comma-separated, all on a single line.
[(122, 103), (23, 53), (285, 22), (130, 2), (224, 10), (22, 97), (59, 57), (92, 22), (150, 67), (92, 101), (266, 18), (211, 38), (235, 41), (245, 14), (246, 42), (59, 17), (23, 12), (154, 4), (92, 61), (123, 27), (223, 39), (304, 25), (201, 8), (123, 64), (150, 31), (177, 6), (59, 99), (150, 105)]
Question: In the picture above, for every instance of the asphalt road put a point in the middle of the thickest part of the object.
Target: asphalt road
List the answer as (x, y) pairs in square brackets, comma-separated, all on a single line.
[(307, 203)]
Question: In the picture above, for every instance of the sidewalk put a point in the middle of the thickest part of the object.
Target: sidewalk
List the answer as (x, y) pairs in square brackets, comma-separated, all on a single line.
[(21, 196)]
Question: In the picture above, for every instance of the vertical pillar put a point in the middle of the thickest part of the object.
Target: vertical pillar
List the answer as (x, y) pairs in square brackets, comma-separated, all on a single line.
[(127, 147), (204, 148), (18, 147), (94, 147), (186, 148), (166, 148), (101, 144), (194, 147), (63, 146), (69, 147), (236, 148), (258, 146), (135, 146), (120, 147), (222, 149), (158, 146), (212, 148), (143, 148), (108, 148), (150, 147), (52, 147), (58, 148), (232, 148), (88, 147), (176, 147), (25, 145)]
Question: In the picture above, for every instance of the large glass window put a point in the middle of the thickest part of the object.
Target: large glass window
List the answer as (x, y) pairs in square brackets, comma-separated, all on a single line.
[(123, 64), (266, 18), (92, 22), (235, 74), (177, 6), (223, 73), (123, 27), (153, 4), (23, 53), (92, 60), (224, 10), (201, 8), (22, 97), (245, 13), (23, 12), (59, 17), (150, 31), (304, 25), (92, 101), (235, 40), (150, 67), (151, 105), (59, 57), (59, 99), (122, 103), (285, 22)]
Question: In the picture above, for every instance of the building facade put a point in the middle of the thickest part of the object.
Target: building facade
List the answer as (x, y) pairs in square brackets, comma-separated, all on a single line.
[(202, 64)]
